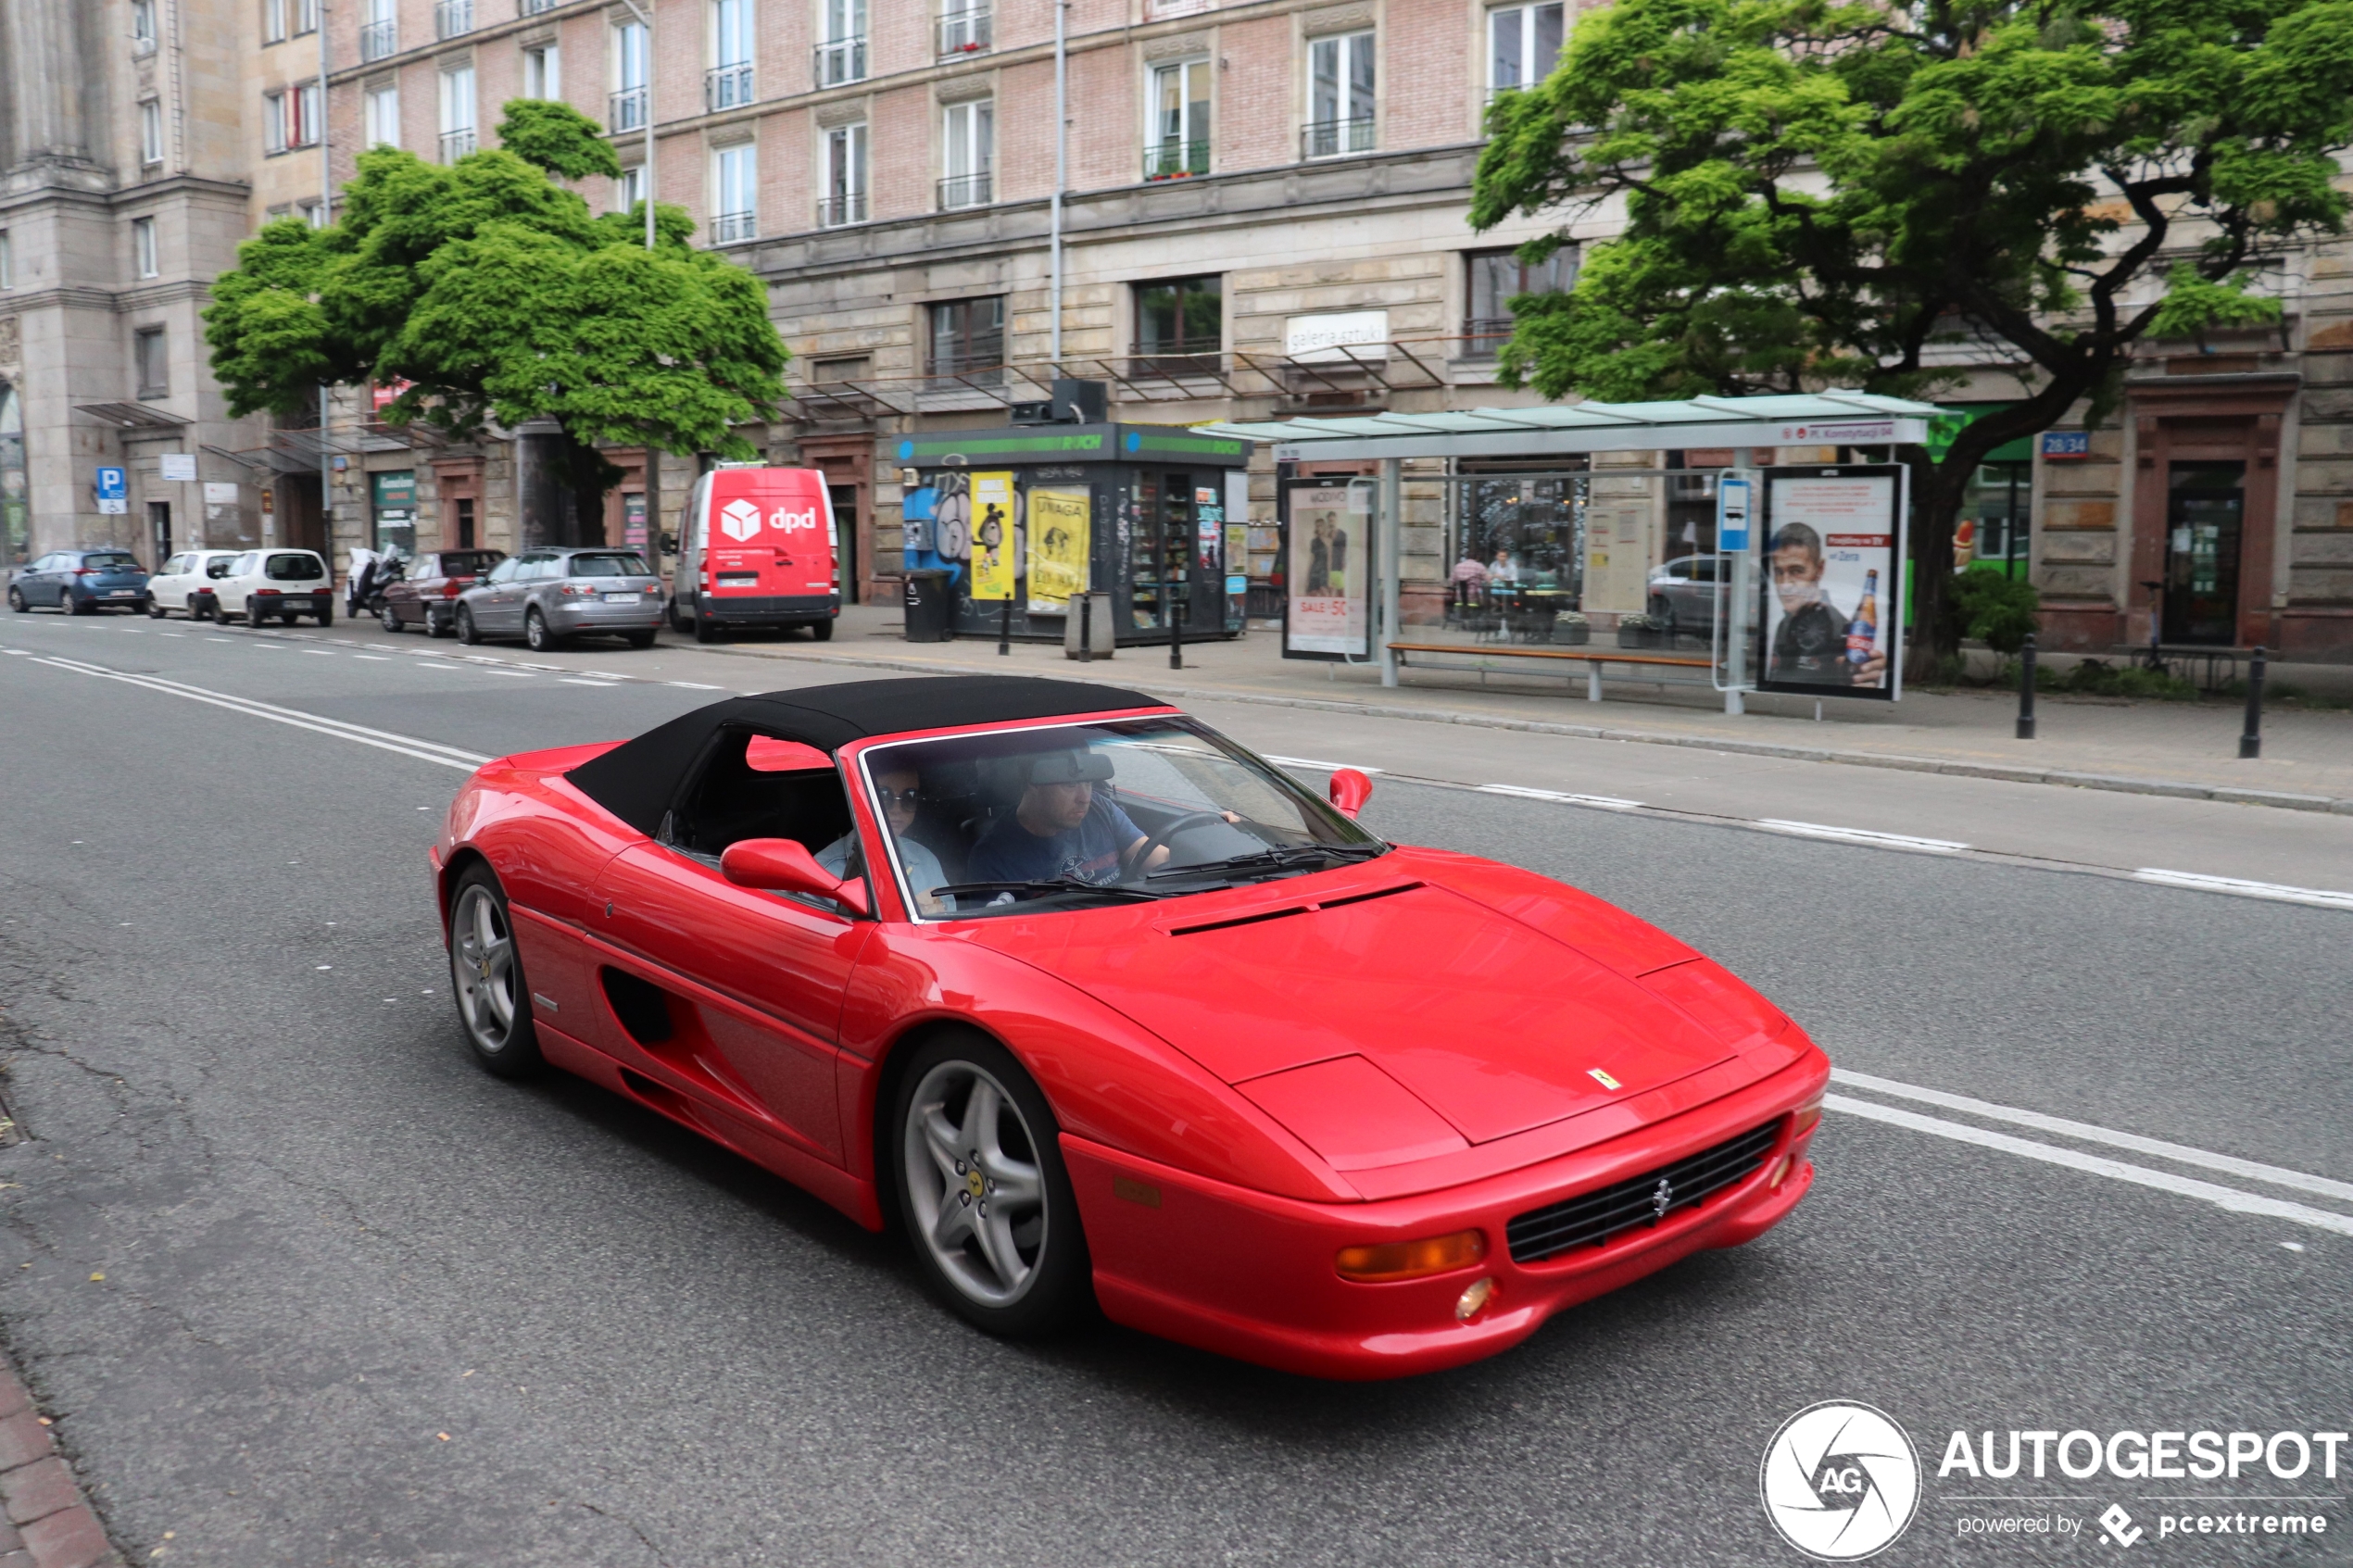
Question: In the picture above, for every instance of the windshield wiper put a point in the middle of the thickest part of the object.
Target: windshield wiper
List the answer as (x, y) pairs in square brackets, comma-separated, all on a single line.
[(1280, 857), (1056, 884)]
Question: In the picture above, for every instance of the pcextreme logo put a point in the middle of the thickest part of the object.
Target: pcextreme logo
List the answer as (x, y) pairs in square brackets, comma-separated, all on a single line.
[(739, 521), (1840, 1481)]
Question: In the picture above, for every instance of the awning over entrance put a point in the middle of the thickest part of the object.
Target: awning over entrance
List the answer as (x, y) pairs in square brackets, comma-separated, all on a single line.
[(1834, 417)]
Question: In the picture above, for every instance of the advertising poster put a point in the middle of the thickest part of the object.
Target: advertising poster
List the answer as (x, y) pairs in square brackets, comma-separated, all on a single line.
[(996, 558), (1059, 527), (1834, 576), (1326, 573)]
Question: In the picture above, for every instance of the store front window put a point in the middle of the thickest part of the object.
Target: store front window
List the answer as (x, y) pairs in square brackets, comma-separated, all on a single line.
[(1997, 506)]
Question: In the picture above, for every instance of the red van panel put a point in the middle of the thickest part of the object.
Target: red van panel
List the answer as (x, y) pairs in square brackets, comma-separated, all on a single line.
[(770, 533)]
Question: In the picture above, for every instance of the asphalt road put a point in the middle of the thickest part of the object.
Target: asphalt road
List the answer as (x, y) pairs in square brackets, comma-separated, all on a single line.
[(362, 1304)]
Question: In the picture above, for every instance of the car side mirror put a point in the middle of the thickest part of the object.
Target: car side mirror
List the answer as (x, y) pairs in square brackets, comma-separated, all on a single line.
[(779, 865), (1348, 791)]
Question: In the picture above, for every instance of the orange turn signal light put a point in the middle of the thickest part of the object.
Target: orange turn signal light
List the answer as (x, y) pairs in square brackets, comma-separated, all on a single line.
[(1807, 1114), (1412, 1259)]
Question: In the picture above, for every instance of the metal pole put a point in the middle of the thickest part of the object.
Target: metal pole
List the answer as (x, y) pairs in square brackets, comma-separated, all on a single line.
[(1389, 536), (326, 216), (1061, 178), (2251, 743), (1740, 603), (2026, 689), (1005, 629), (646, 15), (1168, 585), (1087, 626)]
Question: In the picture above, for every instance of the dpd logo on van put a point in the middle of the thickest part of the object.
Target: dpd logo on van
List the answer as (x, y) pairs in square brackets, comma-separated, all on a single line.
[(791, 522), (739, 521), (1840, 1481)]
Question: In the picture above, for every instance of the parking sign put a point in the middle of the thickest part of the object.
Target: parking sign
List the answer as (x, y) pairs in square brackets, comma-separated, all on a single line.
[(114, 491)]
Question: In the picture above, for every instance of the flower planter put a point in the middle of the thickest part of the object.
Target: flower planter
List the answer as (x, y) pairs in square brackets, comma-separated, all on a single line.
[(1574, 635), (1638, 636)]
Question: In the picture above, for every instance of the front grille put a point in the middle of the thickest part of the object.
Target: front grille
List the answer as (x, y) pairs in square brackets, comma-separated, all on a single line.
[(1591, 1219)]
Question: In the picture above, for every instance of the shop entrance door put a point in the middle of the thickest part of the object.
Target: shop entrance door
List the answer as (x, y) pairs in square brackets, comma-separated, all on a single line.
[(845, 502), (2206, 509)]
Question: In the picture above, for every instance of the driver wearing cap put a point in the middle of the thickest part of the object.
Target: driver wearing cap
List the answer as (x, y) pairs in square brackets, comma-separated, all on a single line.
[(1061, 829)]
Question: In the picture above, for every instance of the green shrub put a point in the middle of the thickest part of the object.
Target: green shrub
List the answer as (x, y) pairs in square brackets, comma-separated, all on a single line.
[(1996, 609)]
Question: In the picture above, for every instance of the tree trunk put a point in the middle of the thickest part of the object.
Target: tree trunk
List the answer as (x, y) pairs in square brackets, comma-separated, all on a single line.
[(586, 477), (1937, 490)]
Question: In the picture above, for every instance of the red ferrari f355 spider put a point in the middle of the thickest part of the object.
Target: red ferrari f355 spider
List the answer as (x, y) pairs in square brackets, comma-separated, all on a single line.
[(1101, 1007)]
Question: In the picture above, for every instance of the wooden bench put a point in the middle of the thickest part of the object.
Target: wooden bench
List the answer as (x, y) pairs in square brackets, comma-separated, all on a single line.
[(1592, 659)]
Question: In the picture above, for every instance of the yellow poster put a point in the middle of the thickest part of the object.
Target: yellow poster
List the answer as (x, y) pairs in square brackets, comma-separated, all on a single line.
[(995, 555), (1058, 534)]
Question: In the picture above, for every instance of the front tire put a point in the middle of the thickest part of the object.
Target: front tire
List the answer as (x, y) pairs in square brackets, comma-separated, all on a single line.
[(388, 618), (982, 1190), (16, 602), (485, 973), (156, 610), (468, 632)]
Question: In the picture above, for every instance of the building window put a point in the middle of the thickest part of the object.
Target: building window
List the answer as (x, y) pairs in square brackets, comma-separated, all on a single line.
[(841, 53), (273, 19), (145, 261), (965, 27), (1178, 143), (457, 113), (452, 18), (142, 27), (382, 115), (1498, 277), (845, 197), (629, 106), (969, 131), (543, 71), (306, 15), (313, 212), (380, 34), (1180, 324), (1340, 96), (734, 195), (630, 189), (1523, 45), (290, 117), (150, 132), (152, 363), (967, 336), (8, 262), (1998, 497), (727, 84)]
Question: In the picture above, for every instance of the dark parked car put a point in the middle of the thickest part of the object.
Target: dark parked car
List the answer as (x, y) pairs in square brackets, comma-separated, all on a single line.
[(427, 596), (1682, 593), (81, 582), (549, 596)]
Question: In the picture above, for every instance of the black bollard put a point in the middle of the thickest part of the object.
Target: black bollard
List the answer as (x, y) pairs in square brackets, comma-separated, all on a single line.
[(1175, 631), (2251, 743), (2026, 689), (1086, 628), (1005, 628)]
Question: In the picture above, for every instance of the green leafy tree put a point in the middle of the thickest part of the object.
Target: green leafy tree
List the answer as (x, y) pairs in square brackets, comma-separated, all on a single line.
[(1819, 194), (498, 297)]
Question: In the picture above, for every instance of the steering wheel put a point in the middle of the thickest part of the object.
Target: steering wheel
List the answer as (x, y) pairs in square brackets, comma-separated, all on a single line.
[(1135, 860)]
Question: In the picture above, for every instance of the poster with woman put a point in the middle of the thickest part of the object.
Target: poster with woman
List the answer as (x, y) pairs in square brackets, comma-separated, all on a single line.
[(1833, 581), (1326, 574)]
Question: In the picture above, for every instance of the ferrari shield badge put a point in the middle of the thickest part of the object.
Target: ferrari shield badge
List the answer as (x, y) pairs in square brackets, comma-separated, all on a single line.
[(1603, 1079)]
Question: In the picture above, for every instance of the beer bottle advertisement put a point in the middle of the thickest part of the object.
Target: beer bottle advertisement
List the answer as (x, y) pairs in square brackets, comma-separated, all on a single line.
[(1832, 579)]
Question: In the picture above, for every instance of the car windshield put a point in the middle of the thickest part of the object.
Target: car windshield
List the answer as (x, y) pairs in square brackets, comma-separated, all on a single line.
[(110, 563), (1073, 815), (629, 565), (294, 569)]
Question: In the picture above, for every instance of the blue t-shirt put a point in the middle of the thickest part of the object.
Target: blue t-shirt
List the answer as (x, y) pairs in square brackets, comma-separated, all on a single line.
[(1090, 852)]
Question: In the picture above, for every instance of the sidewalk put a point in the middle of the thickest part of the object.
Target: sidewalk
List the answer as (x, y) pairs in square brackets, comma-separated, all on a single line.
[(2187, 750), (48, 1525)]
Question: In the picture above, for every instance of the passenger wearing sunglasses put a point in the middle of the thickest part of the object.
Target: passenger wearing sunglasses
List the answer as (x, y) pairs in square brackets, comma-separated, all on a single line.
[(897, 788)]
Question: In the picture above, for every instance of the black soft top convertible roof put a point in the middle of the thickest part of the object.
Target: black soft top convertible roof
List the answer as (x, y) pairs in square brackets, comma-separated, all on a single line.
[(637, 779)]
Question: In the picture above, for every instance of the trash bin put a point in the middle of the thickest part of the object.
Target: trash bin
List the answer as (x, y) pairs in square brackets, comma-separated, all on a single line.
[(931, 607)]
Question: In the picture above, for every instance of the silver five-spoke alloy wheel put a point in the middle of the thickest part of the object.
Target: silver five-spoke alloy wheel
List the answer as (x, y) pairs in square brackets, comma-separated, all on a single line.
[(481, 966), (974, 1185)]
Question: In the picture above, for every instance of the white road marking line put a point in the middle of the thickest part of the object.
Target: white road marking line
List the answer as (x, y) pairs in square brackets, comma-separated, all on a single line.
[(1318, 767), (693, 686), (518, 674), (424, 664), (1863, 836), (2228, 1164), (606, 675), (221, 639), (382, 647), (372, 657), (21, 653), (1607, 802), (171, 633), (576, 680), (2221, 1196), (323, 653), (407, 746), (553, 669), (2320, 897)]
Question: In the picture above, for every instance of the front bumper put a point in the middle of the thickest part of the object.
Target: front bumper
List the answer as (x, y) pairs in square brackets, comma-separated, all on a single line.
[(1253, 1276)]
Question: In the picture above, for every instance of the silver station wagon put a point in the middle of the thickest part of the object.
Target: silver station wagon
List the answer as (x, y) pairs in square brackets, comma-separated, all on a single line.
[(549, 596)]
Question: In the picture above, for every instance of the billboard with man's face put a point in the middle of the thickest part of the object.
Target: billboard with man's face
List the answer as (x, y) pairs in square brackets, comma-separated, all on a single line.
[(1832, 575)]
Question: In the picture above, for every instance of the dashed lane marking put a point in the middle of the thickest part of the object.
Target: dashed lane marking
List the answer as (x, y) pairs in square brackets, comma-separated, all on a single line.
[(1863, 836), (576, 680), (1318, 767), (2319, 898), (1606, 802)]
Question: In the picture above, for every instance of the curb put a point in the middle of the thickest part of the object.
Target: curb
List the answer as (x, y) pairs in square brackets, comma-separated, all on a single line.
[(2118, 782), (48, 1523)]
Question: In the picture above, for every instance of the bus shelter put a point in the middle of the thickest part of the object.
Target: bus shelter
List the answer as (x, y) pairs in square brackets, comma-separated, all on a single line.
[(1774, 621)]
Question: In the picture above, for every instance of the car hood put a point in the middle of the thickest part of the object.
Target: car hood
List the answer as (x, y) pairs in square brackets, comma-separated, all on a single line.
[(1352, 1007)]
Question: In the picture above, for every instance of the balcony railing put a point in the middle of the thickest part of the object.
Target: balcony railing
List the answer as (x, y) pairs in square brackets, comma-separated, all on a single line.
[(835, 211), (733, 228), (533, 8), (983, 367), (964, 31), (1182, 358), (453, 18), (1335, 138), (727, 87), (966, 190), (1176, 160), (379, 41), (456, 145), (1484, 336), (840, 60), (626, 110)]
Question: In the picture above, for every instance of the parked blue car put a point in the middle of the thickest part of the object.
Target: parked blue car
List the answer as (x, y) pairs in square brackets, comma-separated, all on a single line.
[(81, 582)]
